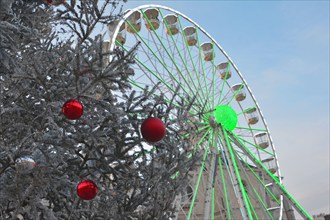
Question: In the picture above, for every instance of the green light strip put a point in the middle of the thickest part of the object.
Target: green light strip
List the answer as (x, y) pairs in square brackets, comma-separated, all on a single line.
[(183, 61), (202, 62), (286, 193), (256, 146), (200, 129), (253, 211), (232, 155), (213, 201), (265, 187), (223, 83), (192, 61), (199, 142), (240, 88), (253, 129), (167, 100), (213, 76), (246, 110), (160, 61), (198, 181), (224, 185)]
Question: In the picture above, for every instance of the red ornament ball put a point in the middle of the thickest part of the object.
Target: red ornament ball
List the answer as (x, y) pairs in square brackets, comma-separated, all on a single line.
[(87, 189), (72, 109), (54, 2), (153, 129)]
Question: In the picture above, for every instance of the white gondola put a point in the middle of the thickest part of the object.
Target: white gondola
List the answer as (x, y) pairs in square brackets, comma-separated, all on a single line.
[(270, 164), (151, 19), (224, 70), (190, 33), (239, 92), (133, 22), (262, 140), (207, 49), (171, 24), (121, 36), (251, 116)]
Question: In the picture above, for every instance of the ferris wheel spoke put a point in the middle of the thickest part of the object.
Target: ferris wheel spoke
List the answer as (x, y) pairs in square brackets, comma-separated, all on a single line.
[(223, 84), (172, 58), (233, 167), (198, 181), (275, 181), (254, 145), (251, 129), (225, 190), (144, 68), (201, 64), (161, 62), (193, 60), (255, 195)]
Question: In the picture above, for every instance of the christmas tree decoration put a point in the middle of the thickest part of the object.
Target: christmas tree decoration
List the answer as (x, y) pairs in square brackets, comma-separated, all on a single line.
[(72, 109), (153, 129), (25, 164), (87, 190)]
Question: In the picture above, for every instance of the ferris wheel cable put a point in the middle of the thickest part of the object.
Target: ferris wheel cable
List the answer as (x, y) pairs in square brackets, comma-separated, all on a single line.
[(298, 207), (246, 110), (224, 185), (156, 75), (243, 200), (184, 62), (254, 129), (198, 181), (259, 199), (190, 55), (231, 173), (253, 145), (160, 61), (202, 63)]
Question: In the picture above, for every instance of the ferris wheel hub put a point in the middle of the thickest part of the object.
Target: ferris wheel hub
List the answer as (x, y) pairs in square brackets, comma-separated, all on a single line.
[(226, 116)]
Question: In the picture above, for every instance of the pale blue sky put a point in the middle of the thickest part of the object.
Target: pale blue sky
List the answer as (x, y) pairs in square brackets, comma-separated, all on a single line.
[(282, 50)]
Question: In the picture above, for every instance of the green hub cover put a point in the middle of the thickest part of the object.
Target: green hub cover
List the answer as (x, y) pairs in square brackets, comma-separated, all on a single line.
[(226, 116)]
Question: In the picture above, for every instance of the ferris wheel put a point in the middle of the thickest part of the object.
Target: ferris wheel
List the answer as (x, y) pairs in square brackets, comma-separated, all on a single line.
[(238, 176)]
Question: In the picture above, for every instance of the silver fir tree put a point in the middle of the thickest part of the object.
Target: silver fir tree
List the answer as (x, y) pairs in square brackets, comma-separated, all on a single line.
[(50, 52)]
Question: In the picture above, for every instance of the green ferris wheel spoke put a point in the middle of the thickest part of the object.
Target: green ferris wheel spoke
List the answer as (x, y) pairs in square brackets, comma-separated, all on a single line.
[(246, 110), (213, 76), (198, 130), (237, 173), (223, 84), (248, 152), (260, 200), (172, 59), (202, 65), (251, 129), (157, 95), (213, 201), (236, 92), (192, 60), (224, 186), (164, 46), (198, 180), (157, 76), (200, 141), (254, 145), (159, 60)]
